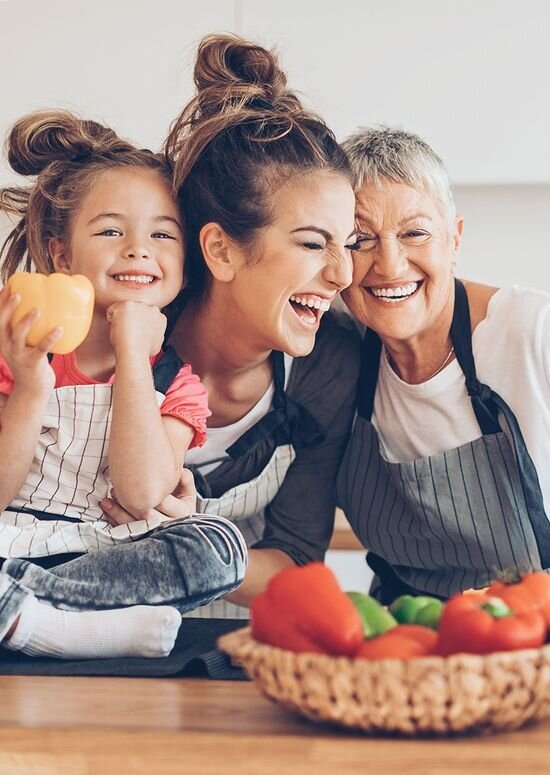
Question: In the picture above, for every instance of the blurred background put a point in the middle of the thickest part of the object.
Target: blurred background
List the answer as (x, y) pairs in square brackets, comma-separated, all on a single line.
[(470, 76)]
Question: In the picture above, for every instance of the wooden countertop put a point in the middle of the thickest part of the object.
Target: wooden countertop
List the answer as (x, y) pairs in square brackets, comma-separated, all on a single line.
[(122, 726)]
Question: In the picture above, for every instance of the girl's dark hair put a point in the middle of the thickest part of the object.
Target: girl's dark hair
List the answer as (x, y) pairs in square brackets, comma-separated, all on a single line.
[(241, 137), (65, 154)]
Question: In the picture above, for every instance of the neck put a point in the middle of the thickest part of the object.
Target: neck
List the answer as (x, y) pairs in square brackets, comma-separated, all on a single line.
[(420, 358), (210, 336), (95, 356)]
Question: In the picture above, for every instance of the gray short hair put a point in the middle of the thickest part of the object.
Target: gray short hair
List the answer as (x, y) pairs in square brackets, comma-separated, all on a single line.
[(383, 152)]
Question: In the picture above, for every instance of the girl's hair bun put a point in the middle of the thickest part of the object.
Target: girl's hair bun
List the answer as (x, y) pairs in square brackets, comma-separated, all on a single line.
[(41, 138)]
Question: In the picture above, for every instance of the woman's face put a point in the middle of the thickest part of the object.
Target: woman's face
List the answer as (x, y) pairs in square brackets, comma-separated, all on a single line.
[(402, 283), (287, 280)]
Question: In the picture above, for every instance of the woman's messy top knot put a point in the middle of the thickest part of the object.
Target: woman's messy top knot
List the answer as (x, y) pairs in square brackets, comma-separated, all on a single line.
[(39, 139), (231, 72)]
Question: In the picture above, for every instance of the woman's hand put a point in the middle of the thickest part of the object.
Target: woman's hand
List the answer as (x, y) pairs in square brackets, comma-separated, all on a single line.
[(29, 365), (134, 323), (181, 503)]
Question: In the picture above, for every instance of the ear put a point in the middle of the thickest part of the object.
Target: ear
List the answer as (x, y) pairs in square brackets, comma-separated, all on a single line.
[(219, 251), (60, 255), (457, 232)]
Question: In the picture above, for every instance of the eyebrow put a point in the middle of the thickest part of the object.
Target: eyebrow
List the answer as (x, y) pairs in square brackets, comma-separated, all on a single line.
[(156, 219), (326, 234)]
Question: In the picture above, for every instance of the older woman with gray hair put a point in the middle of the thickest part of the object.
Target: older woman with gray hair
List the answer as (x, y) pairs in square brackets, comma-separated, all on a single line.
[(446, 478)]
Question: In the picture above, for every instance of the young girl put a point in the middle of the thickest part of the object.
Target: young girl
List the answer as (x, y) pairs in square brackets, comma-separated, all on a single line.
[(69, 430)]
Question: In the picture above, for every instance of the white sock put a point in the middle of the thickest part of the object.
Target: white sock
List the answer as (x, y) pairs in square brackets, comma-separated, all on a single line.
[(137, 631)]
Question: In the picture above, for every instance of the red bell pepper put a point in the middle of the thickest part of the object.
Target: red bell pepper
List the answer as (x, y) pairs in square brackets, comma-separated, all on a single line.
[(406, 641), (478, 624), (304, 609), (530, 592)]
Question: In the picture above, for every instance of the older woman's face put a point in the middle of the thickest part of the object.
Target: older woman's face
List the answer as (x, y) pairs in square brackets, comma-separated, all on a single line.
[(402, 272)]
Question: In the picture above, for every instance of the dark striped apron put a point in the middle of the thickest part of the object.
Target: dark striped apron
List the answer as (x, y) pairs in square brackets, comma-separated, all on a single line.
[(289, 426), (454, 520)]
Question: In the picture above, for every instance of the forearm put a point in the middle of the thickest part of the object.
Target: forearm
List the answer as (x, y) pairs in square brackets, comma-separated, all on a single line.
[(20, 426), (263, 564), (142, 461)]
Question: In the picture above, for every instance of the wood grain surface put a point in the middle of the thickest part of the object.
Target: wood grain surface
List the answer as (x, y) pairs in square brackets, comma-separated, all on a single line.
[(115, 726)]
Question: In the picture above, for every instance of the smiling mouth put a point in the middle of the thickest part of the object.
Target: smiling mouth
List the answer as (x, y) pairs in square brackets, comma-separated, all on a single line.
[(135, 279), (309, 308), (397, 293)]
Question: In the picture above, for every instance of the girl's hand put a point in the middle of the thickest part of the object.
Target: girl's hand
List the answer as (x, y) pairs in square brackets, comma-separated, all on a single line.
[(181, 503), (136, 325), (29, 365)]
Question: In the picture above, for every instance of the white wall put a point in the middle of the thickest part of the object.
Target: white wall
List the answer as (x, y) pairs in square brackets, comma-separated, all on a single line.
[(471, 76)]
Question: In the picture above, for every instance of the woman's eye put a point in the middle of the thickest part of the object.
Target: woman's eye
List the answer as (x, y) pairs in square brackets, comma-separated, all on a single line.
[(313, 245)]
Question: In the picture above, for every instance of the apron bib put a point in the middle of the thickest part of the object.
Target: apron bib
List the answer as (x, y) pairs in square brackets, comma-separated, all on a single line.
[(454, 520), (57, 510), (291, 427)]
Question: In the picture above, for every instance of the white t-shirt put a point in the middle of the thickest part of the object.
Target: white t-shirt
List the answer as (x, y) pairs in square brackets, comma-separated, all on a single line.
[(212, 453), (511, 348)]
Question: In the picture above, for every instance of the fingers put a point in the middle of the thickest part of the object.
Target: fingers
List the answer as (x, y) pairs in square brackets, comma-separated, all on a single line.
[(186, 485), (114, 514), (45, 345)]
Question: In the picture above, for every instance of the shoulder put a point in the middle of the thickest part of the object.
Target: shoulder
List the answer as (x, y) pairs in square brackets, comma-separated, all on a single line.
[(517, 308), (517, 327), (338, 345), (329, 373)]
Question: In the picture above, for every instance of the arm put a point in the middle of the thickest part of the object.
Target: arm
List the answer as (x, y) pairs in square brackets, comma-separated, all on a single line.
[(300, 519), (146, 450), (24, 408), (262, 565)]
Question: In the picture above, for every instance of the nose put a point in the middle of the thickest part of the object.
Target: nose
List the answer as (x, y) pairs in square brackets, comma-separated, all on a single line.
[(339, 269), (389, 258), (136, 248)]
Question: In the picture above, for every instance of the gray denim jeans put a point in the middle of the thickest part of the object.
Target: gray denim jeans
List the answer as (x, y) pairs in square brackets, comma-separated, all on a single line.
[(185, 563)]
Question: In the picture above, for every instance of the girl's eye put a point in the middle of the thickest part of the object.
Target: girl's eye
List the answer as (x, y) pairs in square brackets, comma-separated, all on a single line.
[(162, 235), (110, 233)]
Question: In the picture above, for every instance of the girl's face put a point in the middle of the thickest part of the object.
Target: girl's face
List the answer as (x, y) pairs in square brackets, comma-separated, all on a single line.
[(126, 238), (298, 264)]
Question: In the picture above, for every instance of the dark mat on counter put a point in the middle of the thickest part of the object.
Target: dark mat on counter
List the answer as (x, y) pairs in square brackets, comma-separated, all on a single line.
[(194, 654)]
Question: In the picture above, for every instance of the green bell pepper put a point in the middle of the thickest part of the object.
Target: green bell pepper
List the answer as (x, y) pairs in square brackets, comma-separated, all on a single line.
[(376, 619), (421, 609)]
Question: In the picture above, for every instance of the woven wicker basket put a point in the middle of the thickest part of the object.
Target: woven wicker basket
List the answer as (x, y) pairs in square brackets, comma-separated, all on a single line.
[(436, 695)]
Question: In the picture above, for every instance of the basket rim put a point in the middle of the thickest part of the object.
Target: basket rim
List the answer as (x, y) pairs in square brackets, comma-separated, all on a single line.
[(232, 643)]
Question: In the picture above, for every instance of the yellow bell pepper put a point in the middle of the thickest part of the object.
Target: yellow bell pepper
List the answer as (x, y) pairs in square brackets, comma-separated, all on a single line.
[(63, 300)]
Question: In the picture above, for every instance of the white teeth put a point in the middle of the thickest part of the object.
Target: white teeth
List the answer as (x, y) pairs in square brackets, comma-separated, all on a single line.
[(313, 302), (145, 279), (395, 294)]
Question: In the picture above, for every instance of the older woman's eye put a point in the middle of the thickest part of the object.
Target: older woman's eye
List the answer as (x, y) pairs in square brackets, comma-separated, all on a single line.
[(364, 242), (416, 236)]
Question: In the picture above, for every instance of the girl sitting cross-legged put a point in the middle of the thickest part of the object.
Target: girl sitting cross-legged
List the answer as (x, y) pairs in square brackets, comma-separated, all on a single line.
[(118, 412)]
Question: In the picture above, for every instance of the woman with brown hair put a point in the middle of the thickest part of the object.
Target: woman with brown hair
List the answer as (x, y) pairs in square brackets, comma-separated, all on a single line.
[(267, 209)]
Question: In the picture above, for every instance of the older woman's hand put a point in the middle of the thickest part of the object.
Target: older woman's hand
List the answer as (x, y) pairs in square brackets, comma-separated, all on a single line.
[(181, 503)]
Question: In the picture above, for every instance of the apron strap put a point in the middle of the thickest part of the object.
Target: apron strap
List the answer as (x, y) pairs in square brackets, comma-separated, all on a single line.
[(165, 369), (485, 409), (287, 423)]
